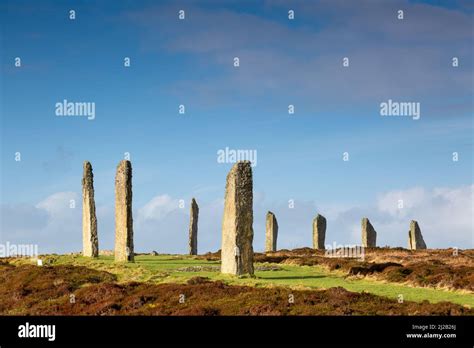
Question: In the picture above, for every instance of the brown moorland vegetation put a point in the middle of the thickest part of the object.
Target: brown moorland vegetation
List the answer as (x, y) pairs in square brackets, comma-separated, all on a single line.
[(30, 290), (428, 268)]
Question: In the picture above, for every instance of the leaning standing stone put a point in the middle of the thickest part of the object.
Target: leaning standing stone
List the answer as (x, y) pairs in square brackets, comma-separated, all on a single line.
[(415, 238), (369, 235), (271, 232), (319, 232), (193, 227), (237, 230), (123, 212), (90, 240)]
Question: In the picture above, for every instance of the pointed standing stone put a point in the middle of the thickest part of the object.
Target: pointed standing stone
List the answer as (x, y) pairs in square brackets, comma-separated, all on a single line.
[(123, 212), (415, 239), (193, 227), (369, 236), (319, 232), (90, 241), (237, 230), (271, 232)]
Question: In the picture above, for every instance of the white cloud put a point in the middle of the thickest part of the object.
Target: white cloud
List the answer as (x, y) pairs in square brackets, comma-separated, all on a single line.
[(444, 214), (53, 224), (58, 205), (158, 208), (389, 202)]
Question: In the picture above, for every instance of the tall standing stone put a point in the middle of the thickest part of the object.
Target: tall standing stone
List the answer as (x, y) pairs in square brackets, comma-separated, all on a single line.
[(193, 227), (90, 240), (319, 232), (123, 212), (271, 232), (237, 230), (415, 239), (369, 235)]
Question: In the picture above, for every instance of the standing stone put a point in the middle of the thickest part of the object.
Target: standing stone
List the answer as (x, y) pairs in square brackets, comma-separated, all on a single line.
[(90, 241), (193, 228), (369, 235), (415, 239), (319, 232), (237, 230), (271, 232), (123, 212)]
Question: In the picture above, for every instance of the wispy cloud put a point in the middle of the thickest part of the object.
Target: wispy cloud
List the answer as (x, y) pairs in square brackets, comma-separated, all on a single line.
[(388, 57)]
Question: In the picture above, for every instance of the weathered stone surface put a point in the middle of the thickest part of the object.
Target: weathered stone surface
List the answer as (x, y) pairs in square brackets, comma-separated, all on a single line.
[(369, 235), (271, 232), (90, 240), (193, 227), (237, 229), (415, 239), (123, 213), (319, 232)]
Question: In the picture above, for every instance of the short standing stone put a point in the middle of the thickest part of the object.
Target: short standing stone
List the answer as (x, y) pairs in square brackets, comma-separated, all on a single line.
[(193, 227), (319, 232), (271, 232), (237, 229), (123, 213), (369, 235), (90, 240), (415, 239)]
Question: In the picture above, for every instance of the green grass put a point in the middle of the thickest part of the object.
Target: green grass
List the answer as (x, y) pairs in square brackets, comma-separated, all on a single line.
[(164, 268)]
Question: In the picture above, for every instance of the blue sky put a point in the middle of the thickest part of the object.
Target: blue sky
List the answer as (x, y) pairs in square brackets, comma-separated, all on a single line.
[(282, 62)]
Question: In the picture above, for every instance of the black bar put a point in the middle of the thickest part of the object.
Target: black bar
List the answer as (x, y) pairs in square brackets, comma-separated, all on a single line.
[(241, 330)]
